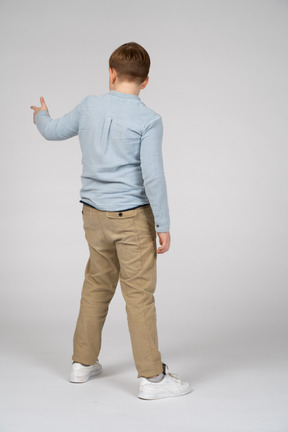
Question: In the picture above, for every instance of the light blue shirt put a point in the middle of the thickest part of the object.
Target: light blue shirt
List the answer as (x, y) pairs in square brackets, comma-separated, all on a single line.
[(121, 143)]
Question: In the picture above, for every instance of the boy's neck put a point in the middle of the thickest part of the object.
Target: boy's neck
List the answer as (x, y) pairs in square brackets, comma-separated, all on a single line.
[(122, 86), (126, 87)]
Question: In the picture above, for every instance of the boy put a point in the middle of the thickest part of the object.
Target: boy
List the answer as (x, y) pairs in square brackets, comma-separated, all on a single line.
[(125, 204)]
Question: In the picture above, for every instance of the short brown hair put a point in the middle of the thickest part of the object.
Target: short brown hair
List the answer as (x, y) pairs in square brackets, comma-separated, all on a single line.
[(131, 62)]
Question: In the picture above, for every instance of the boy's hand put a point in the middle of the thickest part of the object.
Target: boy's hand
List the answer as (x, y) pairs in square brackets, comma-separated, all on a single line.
[(164, 240), (37, 109)]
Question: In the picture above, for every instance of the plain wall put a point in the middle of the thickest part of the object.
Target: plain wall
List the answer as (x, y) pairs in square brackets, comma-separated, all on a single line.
[(219, 79)]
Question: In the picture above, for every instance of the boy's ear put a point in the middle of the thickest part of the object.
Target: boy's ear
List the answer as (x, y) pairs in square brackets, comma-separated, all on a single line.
[(144, 84), (113, 75)]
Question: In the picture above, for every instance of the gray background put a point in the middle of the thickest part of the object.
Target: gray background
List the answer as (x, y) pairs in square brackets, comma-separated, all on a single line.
[(219, 79)]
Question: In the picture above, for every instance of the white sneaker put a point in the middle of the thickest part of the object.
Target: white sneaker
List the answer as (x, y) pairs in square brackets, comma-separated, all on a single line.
[(81, 374), (169, 386)]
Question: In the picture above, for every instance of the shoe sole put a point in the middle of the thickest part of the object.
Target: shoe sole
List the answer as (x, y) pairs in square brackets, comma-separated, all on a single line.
[(142, 395), (77, 379)]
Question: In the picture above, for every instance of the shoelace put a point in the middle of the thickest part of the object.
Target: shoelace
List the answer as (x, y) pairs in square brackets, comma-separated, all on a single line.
[(172, 375)]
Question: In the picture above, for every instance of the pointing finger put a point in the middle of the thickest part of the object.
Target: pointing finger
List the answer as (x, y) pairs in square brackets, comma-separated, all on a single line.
[(43, 104)]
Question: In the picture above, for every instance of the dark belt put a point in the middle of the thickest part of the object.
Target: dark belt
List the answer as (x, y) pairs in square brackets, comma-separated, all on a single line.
[(142, 205)]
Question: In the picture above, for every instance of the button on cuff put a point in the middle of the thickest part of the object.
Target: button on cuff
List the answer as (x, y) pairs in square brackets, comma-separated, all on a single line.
[(164, 227)]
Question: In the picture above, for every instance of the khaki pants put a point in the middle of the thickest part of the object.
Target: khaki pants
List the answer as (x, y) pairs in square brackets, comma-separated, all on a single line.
[(121, 244)]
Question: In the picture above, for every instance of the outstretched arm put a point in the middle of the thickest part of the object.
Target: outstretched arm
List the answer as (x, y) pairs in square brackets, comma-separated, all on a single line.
[(59, 129)]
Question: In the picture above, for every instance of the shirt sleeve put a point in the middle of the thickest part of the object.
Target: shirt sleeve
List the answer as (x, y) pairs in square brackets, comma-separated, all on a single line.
[(58, 129), (153, 173)]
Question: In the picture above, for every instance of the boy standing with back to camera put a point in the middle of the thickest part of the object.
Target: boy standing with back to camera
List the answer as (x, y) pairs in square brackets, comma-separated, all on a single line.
[(125, 205)]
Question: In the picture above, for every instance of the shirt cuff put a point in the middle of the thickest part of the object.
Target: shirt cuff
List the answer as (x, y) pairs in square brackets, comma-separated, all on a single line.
[(41, 113), (162, 227)]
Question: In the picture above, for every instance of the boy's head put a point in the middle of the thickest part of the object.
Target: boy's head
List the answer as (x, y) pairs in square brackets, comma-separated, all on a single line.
[(131, 62)]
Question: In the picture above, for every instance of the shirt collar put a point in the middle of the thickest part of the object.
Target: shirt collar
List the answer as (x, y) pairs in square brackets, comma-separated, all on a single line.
[(123, 95)]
